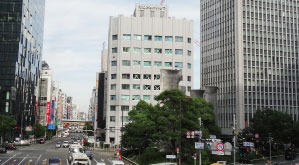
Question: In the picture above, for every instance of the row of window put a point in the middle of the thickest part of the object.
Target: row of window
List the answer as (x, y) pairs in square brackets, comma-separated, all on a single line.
[(134, 86), (149, 51), (133, 97), (138, 76), (149, 38), (149, 63), (122, 118)]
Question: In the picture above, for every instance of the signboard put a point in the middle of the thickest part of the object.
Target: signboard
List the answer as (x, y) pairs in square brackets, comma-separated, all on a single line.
[(48, 113), (51, 126), (212, 136), (248, 144), (199, 145), (177, 150), (217, 153), (188, 134), (256, 136), (192, 134), (220, 146), (170, 156), (28, 128), (197, 132)]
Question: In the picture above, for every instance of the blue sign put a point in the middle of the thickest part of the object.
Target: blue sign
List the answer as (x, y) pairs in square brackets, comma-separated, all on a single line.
[(51, 126)]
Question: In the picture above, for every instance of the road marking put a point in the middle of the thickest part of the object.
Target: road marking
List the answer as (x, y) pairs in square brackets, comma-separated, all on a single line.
[(67, 161), (102, 160), (23, 159), (95, 160), (14, 160), (38, 159)]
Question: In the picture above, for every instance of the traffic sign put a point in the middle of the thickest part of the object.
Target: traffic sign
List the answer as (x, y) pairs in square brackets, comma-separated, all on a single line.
[(212, 136), (220, 146), (192, 134), (248, 144), (199, 145), (188, 134), (170, 156)]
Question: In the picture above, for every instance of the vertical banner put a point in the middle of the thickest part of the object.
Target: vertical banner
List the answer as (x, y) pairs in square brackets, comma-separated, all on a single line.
[(35, 108), (52, 111), (48, 112)]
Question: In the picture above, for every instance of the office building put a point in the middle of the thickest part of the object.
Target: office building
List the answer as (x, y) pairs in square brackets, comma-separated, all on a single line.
[(249, 50), (139, 47)]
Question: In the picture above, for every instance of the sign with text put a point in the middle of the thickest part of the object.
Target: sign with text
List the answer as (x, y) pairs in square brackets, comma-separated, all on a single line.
[(212, 136), (51, 126), (170, 156), (248, 144), (199, 145)]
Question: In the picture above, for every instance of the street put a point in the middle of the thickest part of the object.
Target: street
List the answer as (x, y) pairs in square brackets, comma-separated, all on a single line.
[(281, 161), (36, 154)]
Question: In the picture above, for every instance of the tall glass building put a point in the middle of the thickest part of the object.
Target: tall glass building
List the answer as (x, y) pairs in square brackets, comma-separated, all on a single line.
[(249, 50), (21, 42)]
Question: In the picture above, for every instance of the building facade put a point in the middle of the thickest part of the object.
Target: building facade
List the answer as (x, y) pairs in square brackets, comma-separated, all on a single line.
[(21, 43), (139, 47), (249, 50)]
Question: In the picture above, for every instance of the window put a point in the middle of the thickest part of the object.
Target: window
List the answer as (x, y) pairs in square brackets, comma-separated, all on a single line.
[(152, 13), (126, 63), (112, 97), (113, 63), (136, 86), (178, 64), (168, 38), (158, 63), (125, 97), (157, 87), (125, 86), (112, 118), (125, 118), (148, 37), (168, 51), (158, 38), (125, 76), (189, 53), (114, 37), (126, 49), (179, 51), (125, 108), (114, 50), (189, 66), (126, 36), (146, 87), (135, 97), (112, 129), (113, 86), (178, 39), (137, 50), (189, 88), (147, 63), (146, 97), (136, 76), (147, 76), (158, 50), (162, 14), (168, 64), (137, 37), (156, 77), (113, 76), (112, 108), (147, 50), (189, 40), (136, 63), (141, 13), (189, 78)]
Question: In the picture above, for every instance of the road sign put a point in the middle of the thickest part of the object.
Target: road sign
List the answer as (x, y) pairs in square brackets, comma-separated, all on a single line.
[(192, 134), (248, 144), (199, 145), (51, 126), (256, 135), (220, 146), (177, 150), (212, 136), (188, 134), (170, 156), (217, 153)]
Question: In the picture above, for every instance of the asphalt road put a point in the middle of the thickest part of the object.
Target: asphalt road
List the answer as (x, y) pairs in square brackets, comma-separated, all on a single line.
[(281, 161), (36, 154)]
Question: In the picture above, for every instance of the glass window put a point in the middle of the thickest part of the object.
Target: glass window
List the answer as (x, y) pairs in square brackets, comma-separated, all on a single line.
[(136, 63), (178, 64), (112, 129), (136, 76), (189, 53), (147, 63), (189, 40), (157, 87), (168, 38), (146, 97), (114, 50), (125, 76), (113, 76), (179, 51), (168, 51), (113, 97), (178, 39), (126, 36), (125, 86), (147, 50), (162, 14), (158, 63), (137, 37), (148, 37), (112, 118), (141, 13), (114, 37), (189, 66), (189, 78), (113, 63), (158, 50), (125, 118), (125, 108), (146, 87), (136, 86), (156, 77), (113, 86), (112, 108), (168, 64), (158, 38), (147, 76), (126, 49), (152, 13), (136, 97), (125, 97), (137, 50), (126, 63)]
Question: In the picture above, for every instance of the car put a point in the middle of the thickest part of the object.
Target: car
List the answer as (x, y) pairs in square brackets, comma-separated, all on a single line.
[(41, 141), (101, 163), (79, 158), (55, 161), (89, 154), (75, 142), (3, 149), (290, 154), (58, 145), (117, 162), (65, 144), (10, 146)]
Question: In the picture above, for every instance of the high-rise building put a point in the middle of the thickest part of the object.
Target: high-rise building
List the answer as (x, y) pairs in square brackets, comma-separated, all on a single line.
[(139, 47), (21, 43), (249, 50)]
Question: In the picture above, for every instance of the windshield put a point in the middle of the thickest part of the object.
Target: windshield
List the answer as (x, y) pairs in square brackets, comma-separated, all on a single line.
[(76, 150)]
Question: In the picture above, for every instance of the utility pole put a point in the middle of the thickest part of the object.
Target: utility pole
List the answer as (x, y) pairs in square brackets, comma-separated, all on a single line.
[(270, 139), (234, 129), (180, 145), (199, 140)]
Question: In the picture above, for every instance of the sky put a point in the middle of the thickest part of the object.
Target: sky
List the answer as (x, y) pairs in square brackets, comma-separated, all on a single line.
[(75, 31)]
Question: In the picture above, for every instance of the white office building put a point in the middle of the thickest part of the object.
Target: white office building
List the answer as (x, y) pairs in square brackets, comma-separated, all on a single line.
[(139, 47)]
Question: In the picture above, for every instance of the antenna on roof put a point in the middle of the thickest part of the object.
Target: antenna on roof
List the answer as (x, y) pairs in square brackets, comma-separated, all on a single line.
[(162, 2)]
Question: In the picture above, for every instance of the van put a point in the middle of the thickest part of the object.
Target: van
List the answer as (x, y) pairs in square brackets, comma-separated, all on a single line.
[(117, 162)]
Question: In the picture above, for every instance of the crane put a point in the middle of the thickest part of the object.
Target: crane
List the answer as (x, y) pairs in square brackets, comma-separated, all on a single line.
[(162, 2)]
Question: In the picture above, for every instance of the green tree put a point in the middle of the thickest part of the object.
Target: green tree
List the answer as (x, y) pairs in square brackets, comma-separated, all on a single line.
[(89, 129), (38, 130), (6, 124)]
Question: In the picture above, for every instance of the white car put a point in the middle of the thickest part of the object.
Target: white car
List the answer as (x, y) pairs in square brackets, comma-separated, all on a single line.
[(65, 144), (80, 158), (58, 145), (117, 162)]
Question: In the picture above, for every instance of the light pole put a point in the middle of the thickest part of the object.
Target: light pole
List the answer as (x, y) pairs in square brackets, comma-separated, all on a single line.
[(199, 119), (234, 129), (270, 139)]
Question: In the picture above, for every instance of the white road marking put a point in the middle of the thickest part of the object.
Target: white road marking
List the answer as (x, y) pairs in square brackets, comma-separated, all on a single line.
[(38, 159), (102, 160), (14, 160), (95, 160), (23, 159), (67, 161)]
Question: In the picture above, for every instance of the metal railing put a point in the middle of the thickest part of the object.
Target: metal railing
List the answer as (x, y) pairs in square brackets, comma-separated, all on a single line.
[(130, 161)]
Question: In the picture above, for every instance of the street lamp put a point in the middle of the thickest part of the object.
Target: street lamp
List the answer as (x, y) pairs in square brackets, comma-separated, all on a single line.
[(270, 139)]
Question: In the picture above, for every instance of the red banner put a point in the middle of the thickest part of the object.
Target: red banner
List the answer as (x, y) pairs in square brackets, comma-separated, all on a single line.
[(48, 113)]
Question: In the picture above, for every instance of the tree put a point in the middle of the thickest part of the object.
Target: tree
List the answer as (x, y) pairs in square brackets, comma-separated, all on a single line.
[(89, 129), (7, 123), (38, 130)]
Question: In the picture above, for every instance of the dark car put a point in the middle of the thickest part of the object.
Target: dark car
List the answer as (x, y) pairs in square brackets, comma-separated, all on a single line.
[(3, 149), (290, 154), (10, 146), (42, 141), (89, 154), (55, 161)]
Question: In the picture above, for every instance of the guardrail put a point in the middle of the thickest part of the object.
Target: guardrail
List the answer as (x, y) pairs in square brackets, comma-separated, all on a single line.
[(130, 161)]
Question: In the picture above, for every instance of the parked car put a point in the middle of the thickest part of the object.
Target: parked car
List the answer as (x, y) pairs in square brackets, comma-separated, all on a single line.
[(3, 149), (55, 161), (58, 145), (10, 146), (89, 154), (65, 144), (42, 141)]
